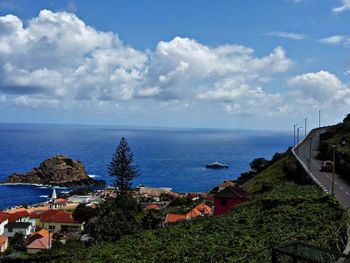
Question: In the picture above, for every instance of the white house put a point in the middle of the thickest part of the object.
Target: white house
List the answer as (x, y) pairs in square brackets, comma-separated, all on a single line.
[(3, 238), (23, 228)]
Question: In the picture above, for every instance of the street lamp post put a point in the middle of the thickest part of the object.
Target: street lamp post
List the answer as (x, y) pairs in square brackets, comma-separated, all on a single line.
[(319, 119), (295, 125), (298, 138), (305, 125)]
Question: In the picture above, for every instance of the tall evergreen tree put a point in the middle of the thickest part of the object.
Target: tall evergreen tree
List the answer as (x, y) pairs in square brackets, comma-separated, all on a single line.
[(122, 167)]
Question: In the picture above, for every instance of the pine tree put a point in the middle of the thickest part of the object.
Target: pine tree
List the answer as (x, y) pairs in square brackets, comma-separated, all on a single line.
[(122, 167)]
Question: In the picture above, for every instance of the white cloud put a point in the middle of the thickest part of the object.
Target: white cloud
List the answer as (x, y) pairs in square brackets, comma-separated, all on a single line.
[(336, 40), (289, 35), (344, 7), (57, 61), (321, 87)]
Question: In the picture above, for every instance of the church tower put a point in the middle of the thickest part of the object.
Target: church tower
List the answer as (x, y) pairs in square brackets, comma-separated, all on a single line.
[(52, 202)]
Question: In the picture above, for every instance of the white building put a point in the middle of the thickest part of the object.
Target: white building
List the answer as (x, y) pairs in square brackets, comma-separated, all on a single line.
[(23, 228)]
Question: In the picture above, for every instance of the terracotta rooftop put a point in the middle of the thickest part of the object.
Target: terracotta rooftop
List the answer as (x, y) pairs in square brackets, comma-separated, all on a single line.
[(42, 232), (57, 216), (13, 217), (3, 216), (152, 206), (40, 243), (172, 218), (3, 240), (199, 210)]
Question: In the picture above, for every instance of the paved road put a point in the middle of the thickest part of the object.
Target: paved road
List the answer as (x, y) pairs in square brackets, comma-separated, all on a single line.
[(341, 187)]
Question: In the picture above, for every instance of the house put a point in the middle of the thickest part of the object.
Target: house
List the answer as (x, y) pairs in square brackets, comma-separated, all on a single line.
[(23, 228), (39, 244), (3, 243), (20, 216), (200, 210), (57, 220), (228, 198), (3, 221), (152, 206), (3, 239), (38, 241)]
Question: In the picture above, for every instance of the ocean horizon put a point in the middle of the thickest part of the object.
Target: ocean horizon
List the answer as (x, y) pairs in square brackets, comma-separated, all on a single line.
[(166, 156)]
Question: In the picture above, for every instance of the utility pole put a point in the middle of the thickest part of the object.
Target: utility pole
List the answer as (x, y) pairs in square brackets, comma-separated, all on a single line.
[(295, 125), (305, 125), (298, 138), (298, 134)]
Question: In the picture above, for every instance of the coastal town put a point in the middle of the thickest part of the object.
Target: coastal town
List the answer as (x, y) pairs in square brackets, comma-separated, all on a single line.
[(40, 226)]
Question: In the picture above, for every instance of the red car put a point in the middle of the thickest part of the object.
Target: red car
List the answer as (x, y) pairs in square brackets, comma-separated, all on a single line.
[(327, 166)]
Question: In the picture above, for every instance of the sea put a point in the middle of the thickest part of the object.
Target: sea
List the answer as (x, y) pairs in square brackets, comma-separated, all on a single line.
[(166, 157)]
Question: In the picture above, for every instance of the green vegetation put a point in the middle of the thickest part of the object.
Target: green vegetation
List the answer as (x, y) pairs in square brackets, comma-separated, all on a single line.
[(122, 168), (279, 211)]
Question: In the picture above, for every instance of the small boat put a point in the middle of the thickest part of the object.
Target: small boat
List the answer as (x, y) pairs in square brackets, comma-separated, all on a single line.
[(216, 165)]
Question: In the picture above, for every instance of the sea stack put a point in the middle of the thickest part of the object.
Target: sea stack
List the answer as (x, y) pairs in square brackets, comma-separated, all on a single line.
[(59, 170)]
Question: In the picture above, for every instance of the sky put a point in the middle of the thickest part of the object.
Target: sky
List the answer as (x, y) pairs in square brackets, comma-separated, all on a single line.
[(211, 64)]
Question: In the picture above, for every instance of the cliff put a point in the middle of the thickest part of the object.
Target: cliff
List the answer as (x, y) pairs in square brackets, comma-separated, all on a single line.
[(59, 170)]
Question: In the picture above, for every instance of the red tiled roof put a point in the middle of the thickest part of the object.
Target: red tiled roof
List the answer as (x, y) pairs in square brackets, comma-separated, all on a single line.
[(152, 206), (199, 210), (35, 215), (57, 216), (3, 216), (40, 243), (172, 218), (17, 215)]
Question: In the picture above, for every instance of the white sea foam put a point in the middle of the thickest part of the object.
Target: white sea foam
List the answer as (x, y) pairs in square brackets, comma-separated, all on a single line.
[(93, 175), (44, 196)]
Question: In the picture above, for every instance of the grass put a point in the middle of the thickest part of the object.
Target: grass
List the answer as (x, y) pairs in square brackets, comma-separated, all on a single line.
[(279, 210)]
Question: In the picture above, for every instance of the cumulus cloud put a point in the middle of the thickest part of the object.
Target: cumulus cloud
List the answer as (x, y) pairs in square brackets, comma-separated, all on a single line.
[(336, 40), (58, 55), (344, 7), (57, 61), (320, 87), (288, 35)]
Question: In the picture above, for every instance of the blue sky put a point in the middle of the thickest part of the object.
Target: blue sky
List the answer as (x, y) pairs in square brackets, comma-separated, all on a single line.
[(234, 64)]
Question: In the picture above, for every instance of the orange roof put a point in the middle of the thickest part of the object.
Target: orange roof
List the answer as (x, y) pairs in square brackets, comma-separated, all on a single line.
[(199, 210), (3, 240), (42, 232), (57, 216), (40, 243), (152, 206), (204, 209), (172, 218)]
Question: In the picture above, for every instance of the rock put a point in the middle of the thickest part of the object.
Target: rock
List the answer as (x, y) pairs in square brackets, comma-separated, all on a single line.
[(59, 170)]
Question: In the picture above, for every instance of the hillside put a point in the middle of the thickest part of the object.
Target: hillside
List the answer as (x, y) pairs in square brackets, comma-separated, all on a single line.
[(337, 137), (279, 210)]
